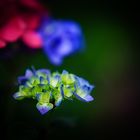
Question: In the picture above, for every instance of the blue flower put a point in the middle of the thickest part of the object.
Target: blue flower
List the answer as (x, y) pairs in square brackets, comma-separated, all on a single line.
[(50, 89), (83, 90), (23, 79), (60, 39)]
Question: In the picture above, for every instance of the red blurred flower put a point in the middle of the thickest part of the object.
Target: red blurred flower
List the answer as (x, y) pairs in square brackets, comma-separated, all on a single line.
[(20, 19)]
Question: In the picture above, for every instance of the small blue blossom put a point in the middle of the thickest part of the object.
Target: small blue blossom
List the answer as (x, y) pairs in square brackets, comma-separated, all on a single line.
[(28, 74), (50, 89), (83, 88), (60, 39), (44, 108)]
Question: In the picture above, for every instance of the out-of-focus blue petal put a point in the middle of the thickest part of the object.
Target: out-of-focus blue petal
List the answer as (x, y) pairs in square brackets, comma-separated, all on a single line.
[(54, 58), (44, 108), (60, 39)]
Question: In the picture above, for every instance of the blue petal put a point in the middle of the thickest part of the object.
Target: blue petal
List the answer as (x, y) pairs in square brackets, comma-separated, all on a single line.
[(81, 81), (22, 80), (84, 84), (87, 98), (55, 59), (28, 73), (45, 71), (44, 108), (87, 88), (65, 48), (78, 97), (83, 89)]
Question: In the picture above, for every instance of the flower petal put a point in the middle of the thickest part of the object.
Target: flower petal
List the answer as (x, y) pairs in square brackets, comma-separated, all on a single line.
[(44, 108), (13, 29), (32, 39), (22, 80), (84, 84), (88, 98), (18, 96), (54, 58), (83, 94), (28, 73)]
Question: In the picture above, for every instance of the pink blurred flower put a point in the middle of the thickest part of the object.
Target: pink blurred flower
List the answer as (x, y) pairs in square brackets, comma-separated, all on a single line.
[(19, 19)]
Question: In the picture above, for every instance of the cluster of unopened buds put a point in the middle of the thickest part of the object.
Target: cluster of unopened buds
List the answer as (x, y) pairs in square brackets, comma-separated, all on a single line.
[(50, 89)]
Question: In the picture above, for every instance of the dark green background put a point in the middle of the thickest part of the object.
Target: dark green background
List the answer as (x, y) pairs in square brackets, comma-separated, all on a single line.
[(108, 61)]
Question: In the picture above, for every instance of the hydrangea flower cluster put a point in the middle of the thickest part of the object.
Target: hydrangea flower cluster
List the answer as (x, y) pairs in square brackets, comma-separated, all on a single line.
[(49, 89), (60, 38)]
